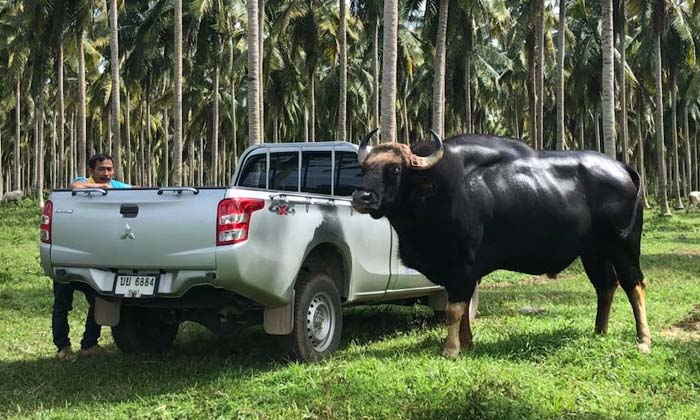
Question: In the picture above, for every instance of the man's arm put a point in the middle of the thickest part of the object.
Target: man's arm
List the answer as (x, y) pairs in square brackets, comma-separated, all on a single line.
[(82, 182)]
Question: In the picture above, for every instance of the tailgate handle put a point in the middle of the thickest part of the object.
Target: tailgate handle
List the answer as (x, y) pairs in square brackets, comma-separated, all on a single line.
[(129, 210)]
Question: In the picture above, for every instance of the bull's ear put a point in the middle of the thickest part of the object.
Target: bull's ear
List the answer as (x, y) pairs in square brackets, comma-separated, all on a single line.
[(423, 187)]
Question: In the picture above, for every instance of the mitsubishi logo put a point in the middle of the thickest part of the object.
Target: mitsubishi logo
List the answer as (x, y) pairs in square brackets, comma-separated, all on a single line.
[(128, 234)]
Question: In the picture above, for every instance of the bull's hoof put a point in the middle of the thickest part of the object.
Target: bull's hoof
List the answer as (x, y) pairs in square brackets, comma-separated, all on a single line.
[(450, 353), (644, 348), (467, 345)]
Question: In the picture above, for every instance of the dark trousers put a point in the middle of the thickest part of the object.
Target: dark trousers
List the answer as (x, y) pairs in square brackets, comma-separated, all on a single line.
[(62, 304)]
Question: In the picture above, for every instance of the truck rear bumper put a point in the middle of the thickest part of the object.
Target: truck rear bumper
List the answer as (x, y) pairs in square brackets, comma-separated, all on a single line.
[(171, 284)]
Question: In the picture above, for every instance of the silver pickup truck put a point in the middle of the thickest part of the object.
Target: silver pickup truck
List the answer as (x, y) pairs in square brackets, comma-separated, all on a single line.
[(283, 242)]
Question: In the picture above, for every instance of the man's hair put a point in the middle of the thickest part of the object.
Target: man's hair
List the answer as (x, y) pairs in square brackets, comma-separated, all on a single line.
[(92, 163)]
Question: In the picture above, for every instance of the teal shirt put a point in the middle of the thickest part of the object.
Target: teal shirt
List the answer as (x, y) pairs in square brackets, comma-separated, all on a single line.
[(113, 183)]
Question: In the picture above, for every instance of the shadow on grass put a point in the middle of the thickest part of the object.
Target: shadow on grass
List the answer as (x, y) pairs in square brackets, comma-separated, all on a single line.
[(681, 262), (113, 377), (518, 347)]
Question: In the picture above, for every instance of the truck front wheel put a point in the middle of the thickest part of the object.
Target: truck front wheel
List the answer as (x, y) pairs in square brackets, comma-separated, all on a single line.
[(144, 330), (318, 318)]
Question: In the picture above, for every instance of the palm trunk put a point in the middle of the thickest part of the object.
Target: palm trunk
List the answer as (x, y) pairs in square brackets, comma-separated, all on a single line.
[(40, 152), (468, 49), (582, 133), (253, 74), (640, 142), (532, 87), (82, 128), (623, 86), (73, 148), (389, 59), (688, 182), (54, 157), (215, 129), (540, 77), (261, 55), (438, 121), (18, 139), (659, 114), (234, 130), (127, 131), (61, 118), (311, 103), (177, 114), (597, 131), (2, 179), (560, 74), (375, 73), (342, 99), (114, 64), (166, 147), (678, 203), (608, 78)]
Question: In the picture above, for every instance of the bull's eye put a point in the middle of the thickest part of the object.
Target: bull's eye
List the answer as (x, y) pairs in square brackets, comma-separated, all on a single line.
[(396, 171)]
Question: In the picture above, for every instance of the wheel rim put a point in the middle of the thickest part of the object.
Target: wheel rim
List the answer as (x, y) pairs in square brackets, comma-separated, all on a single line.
[(320, 322)]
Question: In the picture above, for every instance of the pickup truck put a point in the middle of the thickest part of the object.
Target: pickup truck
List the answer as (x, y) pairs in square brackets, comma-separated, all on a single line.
[(282, 246)]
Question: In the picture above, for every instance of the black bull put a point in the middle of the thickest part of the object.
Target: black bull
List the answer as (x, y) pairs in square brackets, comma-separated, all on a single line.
[(478, 203)]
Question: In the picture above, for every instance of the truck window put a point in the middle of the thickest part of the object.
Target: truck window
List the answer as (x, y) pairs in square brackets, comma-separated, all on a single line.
[(254, 172), (348, 173), (284, 171), (316, 172)]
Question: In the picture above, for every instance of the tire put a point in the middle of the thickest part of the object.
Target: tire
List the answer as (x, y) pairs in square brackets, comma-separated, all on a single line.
[(144, 331), (318, 318)]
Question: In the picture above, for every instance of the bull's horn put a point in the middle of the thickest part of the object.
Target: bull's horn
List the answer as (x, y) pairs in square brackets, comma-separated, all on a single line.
[(365, 148), (423, 163)]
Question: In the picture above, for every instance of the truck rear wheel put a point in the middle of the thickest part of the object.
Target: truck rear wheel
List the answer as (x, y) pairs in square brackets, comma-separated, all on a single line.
[(318, 318), (144, 330)]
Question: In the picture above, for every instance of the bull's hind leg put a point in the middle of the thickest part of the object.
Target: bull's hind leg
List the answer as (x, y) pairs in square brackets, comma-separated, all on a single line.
[(632, 282), (635, 294), (600, 272)]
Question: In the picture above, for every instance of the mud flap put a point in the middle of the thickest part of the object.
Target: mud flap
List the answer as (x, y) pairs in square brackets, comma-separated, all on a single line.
[(107, 312), (280, 319)]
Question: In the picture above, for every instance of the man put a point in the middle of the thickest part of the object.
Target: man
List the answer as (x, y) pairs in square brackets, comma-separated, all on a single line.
[(101, 171), (101, 175)]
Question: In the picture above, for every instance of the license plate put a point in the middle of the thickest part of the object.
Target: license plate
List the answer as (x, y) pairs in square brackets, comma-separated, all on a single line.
[(135, 286)]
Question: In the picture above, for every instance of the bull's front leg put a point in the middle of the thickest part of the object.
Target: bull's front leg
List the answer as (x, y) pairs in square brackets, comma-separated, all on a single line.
[(455, 313)]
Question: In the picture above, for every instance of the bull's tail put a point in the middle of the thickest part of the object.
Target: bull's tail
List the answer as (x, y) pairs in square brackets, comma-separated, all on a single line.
[(636, 210)]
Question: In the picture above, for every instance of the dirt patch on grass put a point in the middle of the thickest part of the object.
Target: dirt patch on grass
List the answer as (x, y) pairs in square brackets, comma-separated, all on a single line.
[(687, 329), (689, 253), (531, 280)]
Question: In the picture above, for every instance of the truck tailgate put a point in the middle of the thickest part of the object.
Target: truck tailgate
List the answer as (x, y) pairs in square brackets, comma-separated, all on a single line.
[(136, 229)]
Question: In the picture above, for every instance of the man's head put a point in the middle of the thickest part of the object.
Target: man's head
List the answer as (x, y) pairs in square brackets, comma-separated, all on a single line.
[(101, 168)]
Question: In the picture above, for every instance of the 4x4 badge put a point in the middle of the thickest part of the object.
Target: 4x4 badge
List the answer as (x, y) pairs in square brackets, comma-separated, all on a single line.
[(282, 209), (128, 234)]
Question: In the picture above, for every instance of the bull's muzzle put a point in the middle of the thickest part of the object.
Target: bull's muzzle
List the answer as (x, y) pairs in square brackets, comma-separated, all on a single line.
[(364, 201)]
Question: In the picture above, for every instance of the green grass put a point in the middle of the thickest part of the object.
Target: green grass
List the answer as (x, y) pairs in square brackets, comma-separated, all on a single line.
[(548, 365)]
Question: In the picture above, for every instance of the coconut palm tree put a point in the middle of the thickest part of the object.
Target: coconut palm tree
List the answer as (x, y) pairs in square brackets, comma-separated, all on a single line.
[(254, 129), (342, 100), (389, 57), (177, 113), (114, 67), (561, 42), (608, 77), (438, 119)]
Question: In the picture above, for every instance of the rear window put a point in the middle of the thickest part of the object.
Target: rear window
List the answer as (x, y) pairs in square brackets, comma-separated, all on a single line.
[(316, 172), (348, 173), (284, 171), (254, 173)]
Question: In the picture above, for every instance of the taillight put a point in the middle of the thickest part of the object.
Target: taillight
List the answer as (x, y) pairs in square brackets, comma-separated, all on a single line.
[(233, 219), (45, 223)]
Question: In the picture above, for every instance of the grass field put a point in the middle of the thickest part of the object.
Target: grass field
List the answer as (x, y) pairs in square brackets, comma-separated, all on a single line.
[(535, 365)]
